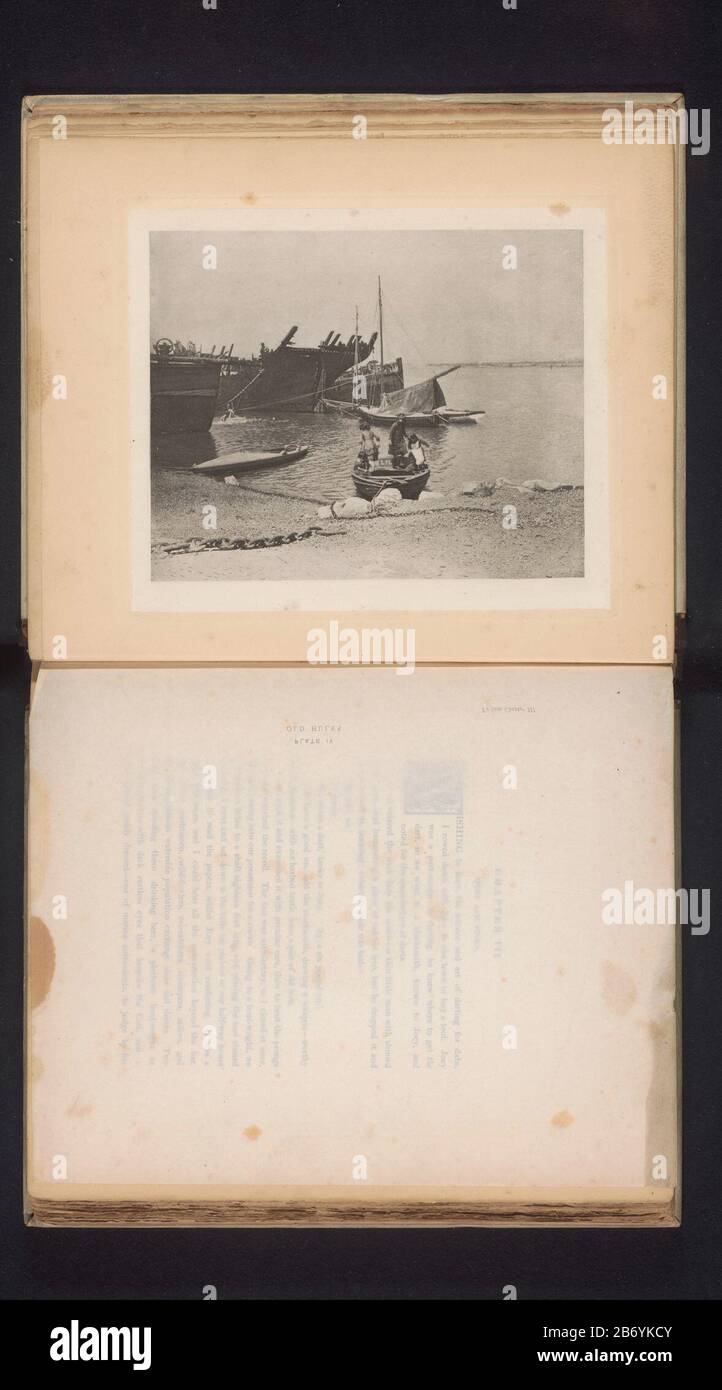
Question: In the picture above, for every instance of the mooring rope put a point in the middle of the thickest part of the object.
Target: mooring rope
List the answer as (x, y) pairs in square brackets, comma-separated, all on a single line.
[(266, 405), (291, 496)]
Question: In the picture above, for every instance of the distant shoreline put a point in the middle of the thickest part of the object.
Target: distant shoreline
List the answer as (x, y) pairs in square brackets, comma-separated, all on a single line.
[(570, 362)]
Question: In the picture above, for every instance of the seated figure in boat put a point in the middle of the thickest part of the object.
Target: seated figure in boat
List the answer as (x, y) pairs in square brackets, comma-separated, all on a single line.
[(369, 442)]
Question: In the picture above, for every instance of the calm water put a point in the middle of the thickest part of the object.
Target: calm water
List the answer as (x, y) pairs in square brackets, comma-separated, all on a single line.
[(532, 429)]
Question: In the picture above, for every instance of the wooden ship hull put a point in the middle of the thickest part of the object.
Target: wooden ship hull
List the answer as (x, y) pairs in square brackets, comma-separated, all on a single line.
[(290, 380), (183, 393)]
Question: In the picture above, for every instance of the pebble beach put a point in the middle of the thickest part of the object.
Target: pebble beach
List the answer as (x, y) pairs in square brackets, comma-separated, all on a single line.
[(447, 536)]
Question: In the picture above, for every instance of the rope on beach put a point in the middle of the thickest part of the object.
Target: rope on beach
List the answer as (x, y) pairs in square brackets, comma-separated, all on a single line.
[(291, 496)]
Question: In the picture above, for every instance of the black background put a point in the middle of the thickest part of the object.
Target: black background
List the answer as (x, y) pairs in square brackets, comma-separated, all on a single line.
[(76, 46)]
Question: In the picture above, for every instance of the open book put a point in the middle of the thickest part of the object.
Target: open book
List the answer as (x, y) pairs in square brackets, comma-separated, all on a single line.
[(402, 397)]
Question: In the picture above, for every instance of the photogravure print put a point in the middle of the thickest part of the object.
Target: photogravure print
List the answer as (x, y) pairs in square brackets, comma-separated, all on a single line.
[(369, 410)]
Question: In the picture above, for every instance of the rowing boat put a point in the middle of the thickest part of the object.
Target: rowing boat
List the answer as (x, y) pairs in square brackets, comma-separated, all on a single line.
[(228, 465), (370, 482)]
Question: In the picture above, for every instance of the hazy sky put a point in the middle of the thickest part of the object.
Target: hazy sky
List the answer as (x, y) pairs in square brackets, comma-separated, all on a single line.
[(446, 296)]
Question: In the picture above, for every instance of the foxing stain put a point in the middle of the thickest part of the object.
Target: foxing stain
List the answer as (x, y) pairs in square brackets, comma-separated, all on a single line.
[(41, 961), (618, 988)]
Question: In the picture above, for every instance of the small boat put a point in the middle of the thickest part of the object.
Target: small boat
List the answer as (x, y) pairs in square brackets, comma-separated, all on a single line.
[(370, 482), (447, 416), (327, 407), (228, 465), (424, 403), (380, 416), (440, 415)]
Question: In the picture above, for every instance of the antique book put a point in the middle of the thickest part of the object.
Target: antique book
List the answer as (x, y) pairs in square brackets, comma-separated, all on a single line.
[(354, 568)]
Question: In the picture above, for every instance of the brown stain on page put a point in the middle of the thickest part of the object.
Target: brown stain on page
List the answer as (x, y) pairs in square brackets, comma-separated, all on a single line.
[(662, 1116), (562, 1119), (38, 833), (252, 1133), (41, 961), (77, 1111), (618, 988), (559, 209)]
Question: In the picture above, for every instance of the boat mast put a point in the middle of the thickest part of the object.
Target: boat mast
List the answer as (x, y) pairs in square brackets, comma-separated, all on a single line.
[(381, 327), (355, 378), (381, 348)]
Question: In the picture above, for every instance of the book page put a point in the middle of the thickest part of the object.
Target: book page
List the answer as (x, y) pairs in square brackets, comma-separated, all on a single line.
[(342, 933), (231, 303)]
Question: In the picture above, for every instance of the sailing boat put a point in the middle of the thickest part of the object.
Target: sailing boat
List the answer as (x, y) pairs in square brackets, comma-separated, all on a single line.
[(365, 383), (358, 391), (421, 404)]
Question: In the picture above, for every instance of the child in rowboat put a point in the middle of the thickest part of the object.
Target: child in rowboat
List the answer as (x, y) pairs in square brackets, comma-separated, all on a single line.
[(369, 442), (416, 458)]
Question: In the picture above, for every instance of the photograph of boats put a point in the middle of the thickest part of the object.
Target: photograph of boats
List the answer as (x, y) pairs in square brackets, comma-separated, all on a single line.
[(381, 403)]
